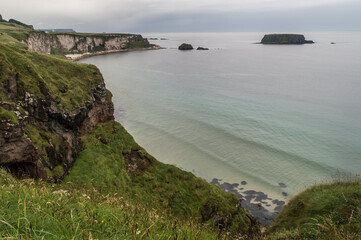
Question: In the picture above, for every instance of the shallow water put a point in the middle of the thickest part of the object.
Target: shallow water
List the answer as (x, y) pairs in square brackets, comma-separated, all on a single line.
[(264, 114)]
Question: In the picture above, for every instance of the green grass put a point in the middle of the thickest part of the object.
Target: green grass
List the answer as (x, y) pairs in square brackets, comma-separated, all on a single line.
[(8, 116), (326, 211), (57, 74), (37, 210), (17, 32)]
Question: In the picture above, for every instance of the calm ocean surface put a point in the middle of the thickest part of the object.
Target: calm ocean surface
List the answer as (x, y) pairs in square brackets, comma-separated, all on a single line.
[(265, 114)]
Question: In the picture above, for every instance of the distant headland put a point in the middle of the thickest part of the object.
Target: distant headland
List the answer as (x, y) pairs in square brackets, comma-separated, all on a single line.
[(285, 39)]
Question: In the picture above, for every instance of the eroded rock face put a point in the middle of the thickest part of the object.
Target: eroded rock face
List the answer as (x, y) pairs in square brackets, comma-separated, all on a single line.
[(46, 137), (72, 43)]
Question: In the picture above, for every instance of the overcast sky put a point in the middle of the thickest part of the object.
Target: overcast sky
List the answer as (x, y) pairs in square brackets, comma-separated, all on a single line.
[(187, 15)]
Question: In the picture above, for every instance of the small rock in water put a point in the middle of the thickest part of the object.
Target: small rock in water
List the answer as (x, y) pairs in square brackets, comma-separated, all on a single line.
[(185, 46), (284, 194), (202, 48), (244, 183), (282, 185)]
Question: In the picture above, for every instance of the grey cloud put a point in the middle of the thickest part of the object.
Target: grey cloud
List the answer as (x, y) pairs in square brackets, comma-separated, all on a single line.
[(186, 15)]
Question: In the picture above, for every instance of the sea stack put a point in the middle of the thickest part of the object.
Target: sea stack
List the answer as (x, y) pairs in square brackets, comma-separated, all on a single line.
[(285, 39), (185, 46)]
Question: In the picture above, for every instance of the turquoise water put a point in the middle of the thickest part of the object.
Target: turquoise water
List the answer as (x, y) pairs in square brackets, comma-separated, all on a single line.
[(242, 111)]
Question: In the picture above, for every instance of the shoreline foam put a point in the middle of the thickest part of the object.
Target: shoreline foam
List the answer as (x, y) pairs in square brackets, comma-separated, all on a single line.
[(78, 56)]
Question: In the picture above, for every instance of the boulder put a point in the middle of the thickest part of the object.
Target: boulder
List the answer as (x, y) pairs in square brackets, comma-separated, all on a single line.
[(185, 46), (202, 48)]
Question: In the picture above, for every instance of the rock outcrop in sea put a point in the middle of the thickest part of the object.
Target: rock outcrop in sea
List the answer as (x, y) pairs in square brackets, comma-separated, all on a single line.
[(285, 39), (185, 46)]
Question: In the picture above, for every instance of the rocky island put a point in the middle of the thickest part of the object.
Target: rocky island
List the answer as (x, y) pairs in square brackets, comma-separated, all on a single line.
[(285, 39)]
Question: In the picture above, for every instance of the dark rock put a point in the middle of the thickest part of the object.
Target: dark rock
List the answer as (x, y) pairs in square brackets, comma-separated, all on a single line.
[(284, 194), (163, 39), (244, 183), (136, 163), (282, 185), (202, 48), (63, 90), (333, 43), (215, 181), (285, 39), (185, 46), (252, 192), (221, 222), (152, 38)]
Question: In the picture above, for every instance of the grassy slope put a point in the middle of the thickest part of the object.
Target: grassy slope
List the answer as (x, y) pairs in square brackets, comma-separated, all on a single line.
[(36, 210), (161, 187), (57, 74), (326, 211), (11, 32), (106, 194)]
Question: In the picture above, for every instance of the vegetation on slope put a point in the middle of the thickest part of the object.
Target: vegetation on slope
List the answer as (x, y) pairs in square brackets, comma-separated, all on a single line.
[(38, 210), (326, 211), (68, 82), (114, 163), (14, 33), (109, 195)]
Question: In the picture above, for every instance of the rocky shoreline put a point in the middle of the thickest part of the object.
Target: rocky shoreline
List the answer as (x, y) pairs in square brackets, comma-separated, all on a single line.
[(257, 203)]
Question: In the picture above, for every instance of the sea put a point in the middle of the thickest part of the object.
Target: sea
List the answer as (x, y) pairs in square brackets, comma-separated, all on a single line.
[(262, 121)]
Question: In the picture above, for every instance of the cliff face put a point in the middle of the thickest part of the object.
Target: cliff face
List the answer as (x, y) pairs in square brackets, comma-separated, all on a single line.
[(82, 43), (41, 124)]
